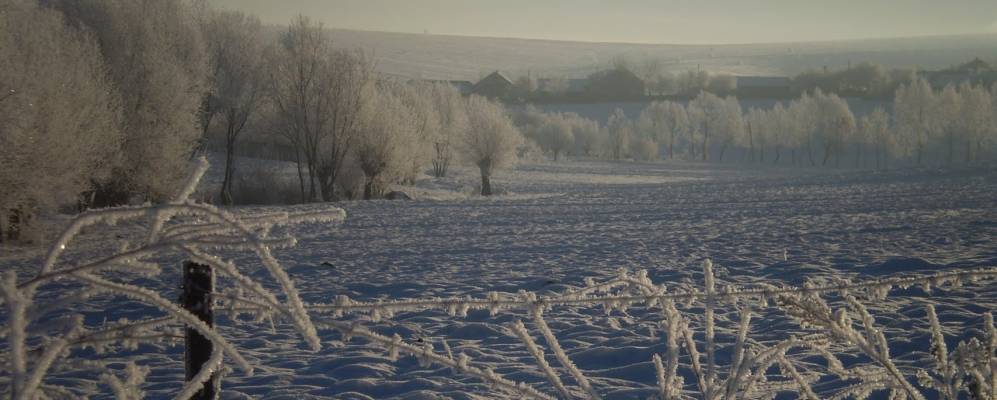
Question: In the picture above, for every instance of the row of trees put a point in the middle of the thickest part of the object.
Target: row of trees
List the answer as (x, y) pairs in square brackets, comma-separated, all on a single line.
[(345, 120), (103, 102), (940, 126)]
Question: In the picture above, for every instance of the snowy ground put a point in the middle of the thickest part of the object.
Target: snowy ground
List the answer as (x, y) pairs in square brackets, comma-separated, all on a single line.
[(559, 223)]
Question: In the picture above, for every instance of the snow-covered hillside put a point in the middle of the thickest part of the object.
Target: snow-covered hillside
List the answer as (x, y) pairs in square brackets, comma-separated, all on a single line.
[(557, 225), (471, 58)]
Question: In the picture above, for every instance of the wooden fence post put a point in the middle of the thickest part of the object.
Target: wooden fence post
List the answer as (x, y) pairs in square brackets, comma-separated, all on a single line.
[(198, 284)]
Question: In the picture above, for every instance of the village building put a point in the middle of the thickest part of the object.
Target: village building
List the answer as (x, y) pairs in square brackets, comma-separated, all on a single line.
[(494, 86)]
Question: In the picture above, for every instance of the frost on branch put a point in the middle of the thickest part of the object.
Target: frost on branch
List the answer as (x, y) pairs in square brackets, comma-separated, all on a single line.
[(755, 370), (38, 344)]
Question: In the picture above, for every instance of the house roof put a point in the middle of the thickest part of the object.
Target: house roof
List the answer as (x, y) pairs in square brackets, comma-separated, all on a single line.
[(495, 76)]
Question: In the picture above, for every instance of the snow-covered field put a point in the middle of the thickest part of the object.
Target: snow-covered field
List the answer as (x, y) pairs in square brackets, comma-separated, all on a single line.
[(471, 58), (560, 223)]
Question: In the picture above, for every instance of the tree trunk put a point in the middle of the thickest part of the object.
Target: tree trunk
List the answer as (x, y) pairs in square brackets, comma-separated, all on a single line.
[(369, 190), (751, 144), (951, 140), (226, 192), (706, 138), (486, 181), (671, 146), (827, 154), (810, 152), (777, 155), (301, 176)]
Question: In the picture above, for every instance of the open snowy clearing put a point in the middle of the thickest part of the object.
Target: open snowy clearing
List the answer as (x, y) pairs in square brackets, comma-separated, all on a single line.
[(560, 223)]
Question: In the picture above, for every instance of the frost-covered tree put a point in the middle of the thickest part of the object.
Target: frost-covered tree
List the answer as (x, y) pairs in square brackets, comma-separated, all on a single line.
[(948, 120), (317, 92), (452, 113), (620, 132), (387, 139), (803, 112), (757, 127), (420, 103), (678, 125), (875, 129), (835, 124), (588, 136), (156, 61), (913, 107), (556, 135), (59, 116), (235, 51), (783, 130), (977, 117), (490, 141), (643, 149), (707, 113), (731, 125), (298, 68)]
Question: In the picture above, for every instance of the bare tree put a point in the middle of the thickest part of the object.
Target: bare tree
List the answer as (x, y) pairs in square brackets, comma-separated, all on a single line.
[(59, 118), (235, 50), (298, 64), (490, 141), (317, 93)]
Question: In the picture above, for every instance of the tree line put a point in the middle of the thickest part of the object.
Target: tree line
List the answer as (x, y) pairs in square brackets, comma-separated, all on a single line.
[(104, 102), (954, 125)]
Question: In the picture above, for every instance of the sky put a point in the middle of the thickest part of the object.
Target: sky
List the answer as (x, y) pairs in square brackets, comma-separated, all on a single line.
[(643, 21)]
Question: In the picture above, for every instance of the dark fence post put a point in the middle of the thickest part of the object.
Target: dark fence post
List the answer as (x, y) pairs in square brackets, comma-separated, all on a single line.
[(198, 284)]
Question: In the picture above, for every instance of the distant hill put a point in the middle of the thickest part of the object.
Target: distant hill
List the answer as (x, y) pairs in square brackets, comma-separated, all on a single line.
[(461, 57)]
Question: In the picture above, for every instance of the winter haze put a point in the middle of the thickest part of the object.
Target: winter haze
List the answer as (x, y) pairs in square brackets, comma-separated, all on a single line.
[(465, 200)]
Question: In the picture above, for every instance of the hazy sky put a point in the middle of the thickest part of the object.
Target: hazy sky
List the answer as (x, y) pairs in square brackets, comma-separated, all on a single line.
[(644, 21)]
